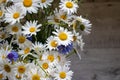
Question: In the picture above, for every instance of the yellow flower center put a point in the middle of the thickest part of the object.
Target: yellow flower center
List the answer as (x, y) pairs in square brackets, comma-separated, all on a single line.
[(35, 77), (15, 29), (1, 13), (63, 17), (62, 75), (18, 77), (43, 1), (50, 58), (21, 39), (69, 4), (63, 36), (74, 38), (21, 69), (1, 76), (16, 15), (7, 68), (56, 20), (45, 65), (54, 43), (32, 29), (27, 3), (27, 50)]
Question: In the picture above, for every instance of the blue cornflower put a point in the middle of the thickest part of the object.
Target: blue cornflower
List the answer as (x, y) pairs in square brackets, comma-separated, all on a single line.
[(65, 49), (12, 56)]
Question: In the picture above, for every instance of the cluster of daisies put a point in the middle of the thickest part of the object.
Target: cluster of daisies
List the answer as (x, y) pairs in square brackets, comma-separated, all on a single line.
[(36, 38)]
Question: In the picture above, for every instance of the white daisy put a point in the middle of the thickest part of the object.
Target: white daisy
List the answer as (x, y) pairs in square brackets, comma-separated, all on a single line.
[(45, 3), (38, 47), (14, 29), (22, 41), (51, 43), (63, 73), (21, 69), (31, 28), (83, 24), (63, 36), (68, 6), (30, 6), (13, 14)]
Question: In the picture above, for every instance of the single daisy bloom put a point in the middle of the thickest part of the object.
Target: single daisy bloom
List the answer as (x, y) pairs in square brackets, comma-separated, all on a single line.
[(30, 6), (83, 24), (63, 73), (68, 6), (51, 43), (14, 29), (13, 14), (63, 36), (31, 28), (45, 3), (21, 69), (22, 41), (38, 47)]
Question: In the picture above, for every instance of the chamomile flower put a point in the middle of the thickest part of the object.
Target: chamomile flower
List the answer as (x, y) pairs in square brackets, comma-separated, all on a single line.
[(30, 6), (63, 36), (51, 43), (7, 69), (21, 69), (31, 28), (45, 3), (68, 6), (22, 41), (38, 47), (84, 24), (63, 73), (14, 29), (13, 14)]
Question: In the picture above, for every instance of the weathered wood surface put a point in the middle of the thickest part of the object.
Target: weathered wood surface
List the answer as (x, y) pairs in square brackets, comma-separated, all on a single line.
[(101, 56)]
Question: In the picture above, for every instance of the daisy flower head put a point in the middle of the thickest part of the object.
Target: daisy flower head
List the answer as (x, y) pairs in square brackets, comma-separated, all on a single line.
[(63, 73), (30, 6), (63, 36), (31, 28), (51, 43), (13, 14), (45, 3), (14, 29), (84, 24), (68, 6)]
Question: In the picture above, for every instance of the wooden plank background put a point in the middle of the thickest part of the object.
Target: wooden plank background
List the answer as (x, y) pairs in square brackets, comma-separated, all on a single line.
[(101, 55)]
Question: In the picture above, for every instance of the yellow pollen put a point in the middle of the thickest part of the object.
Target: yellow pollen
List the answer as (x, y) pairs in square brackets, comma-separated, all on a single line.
[(15, 29), (74, 38), (45, 65), (18, 77), (32, 29), (27, 3), (62, 75), (53, 43), (69, 4), (63, 17), (50, 58), (1, 76), (27, 50), (63, 36), (43, 1), (21, 39), (21, 69), (7, 68), (35, 77), (16, 15), (1, 13)]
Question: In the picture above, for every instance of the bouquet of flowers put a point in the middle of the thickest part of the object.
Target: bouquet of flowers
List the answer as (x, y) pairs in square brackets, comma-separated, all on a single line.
[(38, 36)]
